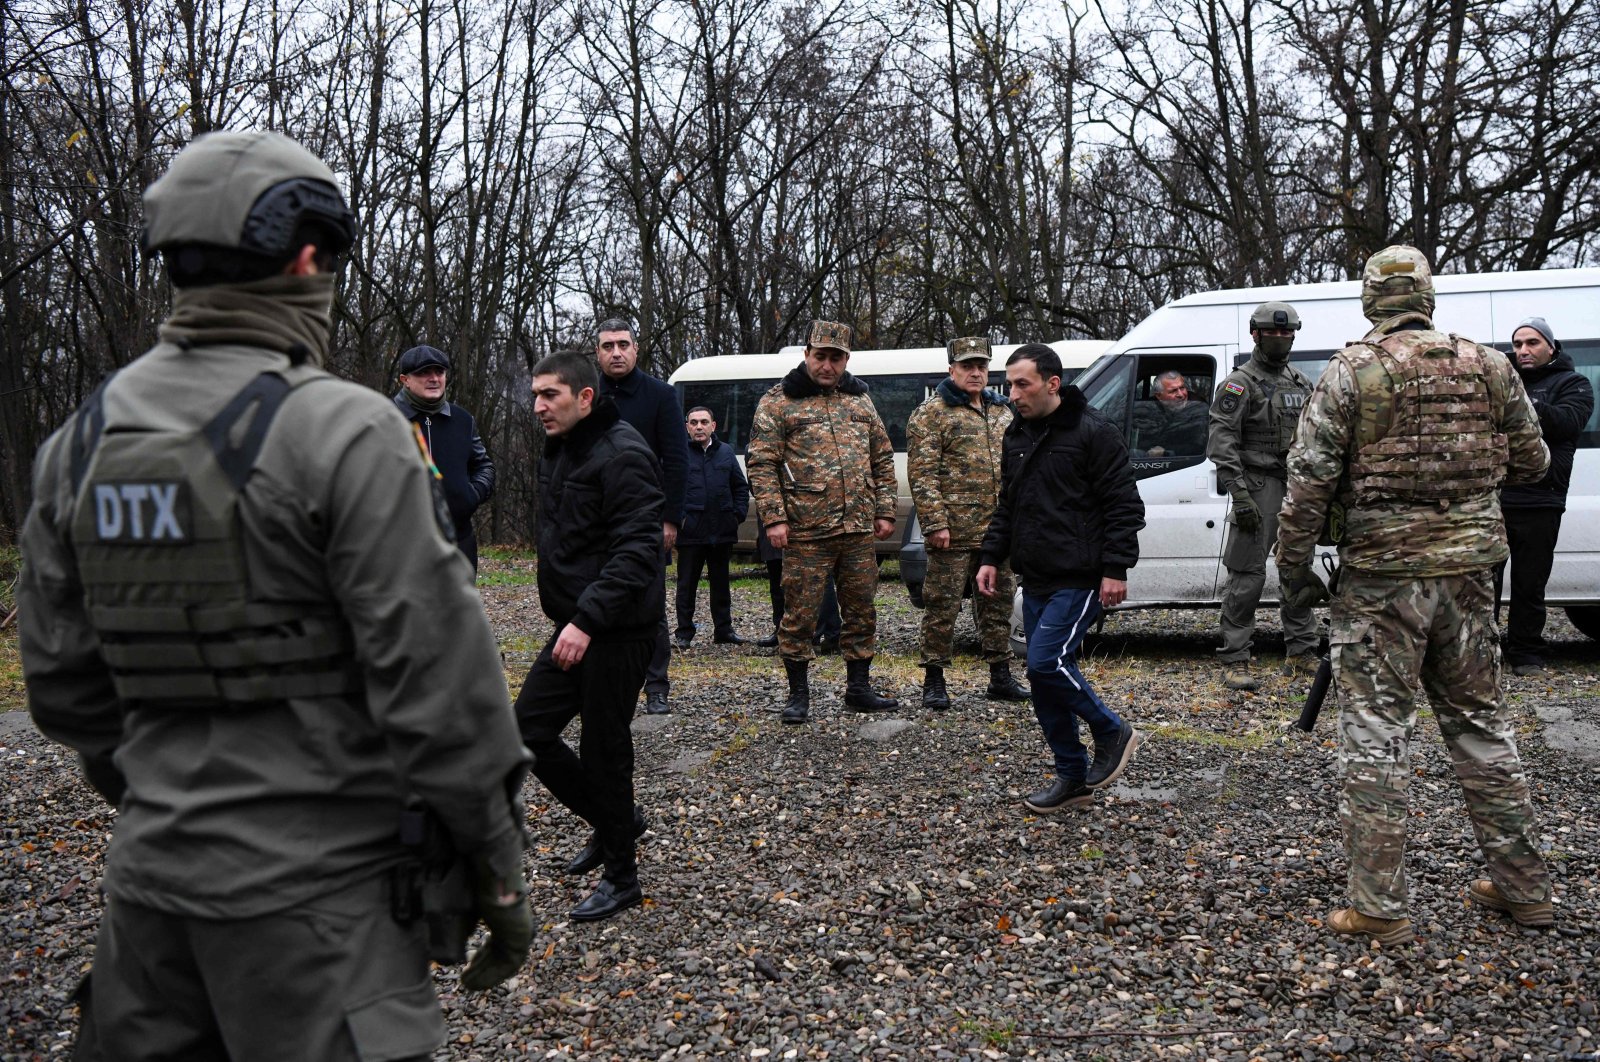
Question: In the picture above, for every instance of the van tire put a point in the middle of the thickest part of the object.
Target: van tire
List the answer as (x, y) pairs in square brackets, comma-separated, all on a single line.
[(1586, 618)]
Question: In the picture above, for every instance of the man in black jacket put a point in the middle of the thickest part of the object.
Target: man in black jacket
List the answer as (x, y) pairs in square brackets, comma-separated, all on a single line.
[(600, 584), (1564, 401), (715, 501), (1068, 520), (465, 471), (652, 407)]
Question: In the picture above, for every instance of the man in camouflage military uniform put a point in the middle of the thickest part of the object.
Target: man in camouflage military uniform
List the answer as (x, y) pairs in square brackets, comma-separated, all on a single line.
[(821, 470), (1411, 431), (242, 607), (1252, 426), (955, 444)]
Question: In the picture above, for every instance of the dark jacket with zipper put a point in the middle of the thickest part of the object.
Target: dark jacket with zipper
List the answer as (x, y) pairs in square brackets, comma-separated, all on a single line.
[(1069, 512), (459, 455), (652, 407), (1564, 401), (600, 529), (716, 497)]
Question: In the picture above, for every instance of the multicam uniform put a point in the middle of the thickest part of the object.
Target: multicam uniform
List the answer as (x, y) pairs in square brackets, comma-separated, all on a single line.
[(821, 462), (1413, 431), (954, 457), (1253, 420)]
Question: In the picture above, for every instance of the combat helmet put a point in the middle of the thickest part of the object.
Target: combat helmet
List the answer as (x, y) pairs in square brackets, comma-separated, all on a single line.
[(236, 206), (1396, 280), (1275, 315)]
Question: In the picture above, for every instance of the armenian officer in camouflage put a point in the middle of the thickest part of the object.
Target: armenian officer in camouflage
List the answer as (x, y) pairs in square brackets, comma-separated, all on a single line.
[(242, 606), (821, 470), (955, 444), (1410, 432), (1252, 426)]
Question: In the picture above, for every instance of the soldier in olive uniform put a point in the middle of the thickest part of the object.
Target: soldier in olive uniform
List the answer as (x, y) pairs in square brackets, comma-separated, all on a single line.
[(238, 574), (955, 448), (821, 470), (1411, 432), (1252, 426)]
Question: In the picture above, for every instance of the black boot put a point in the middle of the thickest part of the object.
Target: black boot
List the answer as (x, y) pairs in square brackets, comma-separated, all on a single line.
[(590, 855), (799, 705), (934, 694), (618, 889), (1003, 685), (858, 692)]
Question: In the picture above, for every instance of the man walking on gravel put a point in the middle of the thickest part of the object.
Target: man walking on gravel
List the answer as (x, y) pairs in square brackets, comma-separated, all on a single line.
[(955, 442), (822, 473), (1068, 520), (1406, 440), (600, 584), (237, 569)]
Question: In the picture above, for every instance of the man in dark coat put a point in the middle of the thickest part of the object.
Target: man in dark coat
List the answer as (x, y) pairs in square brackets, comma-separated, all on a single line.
[(465, 471), (652, 407), (715, 501), (600, 584), (1564, 401), (1068, 519)]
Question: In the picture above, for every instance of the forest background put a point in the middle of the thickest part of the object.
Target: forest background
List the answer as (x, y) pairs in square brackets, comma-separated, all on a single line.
[(724, 170)]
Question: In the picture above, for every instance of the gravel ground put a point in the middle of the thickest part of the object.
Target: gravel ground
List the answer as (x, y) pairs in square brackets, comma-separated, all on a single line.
[(869, 887)]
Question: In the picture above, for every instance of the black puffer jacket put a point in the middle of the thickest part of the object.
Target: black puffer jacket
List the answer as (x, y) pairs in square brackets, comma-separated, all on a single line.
[(1069, 512), (600, 529), (1564, 401)]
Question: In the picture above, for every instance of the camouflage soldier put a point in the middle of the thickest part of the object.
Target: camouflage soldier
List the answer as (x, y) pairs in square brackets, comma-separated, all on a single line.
[(821, 470), (1252, 425), (955, 447), (1404, 441)]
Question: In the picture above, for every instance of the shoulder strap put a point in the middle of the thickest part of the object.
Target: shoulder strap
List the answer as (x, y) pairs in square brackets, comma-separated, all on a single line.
[(264, 396), (87, 426)]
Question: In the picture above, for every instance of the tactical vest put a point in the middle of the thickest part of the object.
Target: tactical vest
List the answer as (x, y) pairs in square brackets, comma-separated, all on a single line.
[(156, 532), (1286, 396), (1427, 428)]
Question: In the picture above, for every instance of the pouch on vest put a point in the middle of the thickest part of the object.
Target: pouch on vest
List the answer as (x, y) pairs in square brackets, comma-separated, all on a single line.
[(156, 532)]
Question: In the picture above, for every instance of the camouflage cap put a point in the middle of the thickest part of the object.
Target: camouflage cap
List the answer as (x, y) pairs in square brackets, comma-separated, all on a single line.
[(216, 194), (967, 348), (834, 334), (1396, 280)]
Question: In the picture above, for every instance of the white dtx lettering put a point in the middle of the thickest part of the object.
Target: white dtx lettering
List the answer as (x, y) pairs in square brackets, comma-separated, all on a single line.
[(166, 522), (140, 512), (107, 512), (135, 494)]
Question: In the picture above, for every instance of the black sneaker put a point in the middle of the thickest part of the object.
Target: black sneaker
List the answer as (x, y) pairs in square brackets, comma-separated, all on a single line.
[(1111, 758), (1061, 796)]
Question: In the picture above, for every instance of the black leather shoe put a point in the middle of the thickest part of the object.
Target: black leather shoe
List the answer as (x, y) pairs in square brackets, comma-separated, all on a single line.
[(656, 704), (608, 899), (590, 855), (1003, 685), (731, 638), (1062, 795), (934, 694), (769, 642), (1112, 757)]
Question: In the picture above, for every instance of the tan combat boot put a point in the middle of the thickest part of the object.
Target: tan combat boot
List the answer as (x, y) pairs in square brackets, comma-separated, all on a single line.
[(1238, 676), (1536, 915), (1351, 922), (1302, 665)]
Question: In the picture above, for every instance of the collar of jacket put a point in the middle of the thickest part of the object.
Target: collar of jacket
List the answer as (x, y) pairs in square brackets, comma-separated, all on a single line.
[(411, 412), (955, 396), (627, 384), (1409, 321), (587, 431), (1562, 362), (711, 444), (799, 384)]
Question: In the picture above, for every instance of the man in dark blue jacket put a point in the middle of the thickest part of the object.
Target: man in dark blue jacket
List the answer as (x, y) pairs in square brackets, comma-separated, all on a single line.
[(1068, 520), (600, 584), (715, 501), (465, 470), (1564, 401), (652, 407)]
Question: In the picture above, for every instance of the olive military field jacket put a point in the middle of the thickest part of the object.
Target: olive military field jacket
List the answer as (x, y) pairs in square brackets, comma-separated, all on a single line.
[(954, 456)]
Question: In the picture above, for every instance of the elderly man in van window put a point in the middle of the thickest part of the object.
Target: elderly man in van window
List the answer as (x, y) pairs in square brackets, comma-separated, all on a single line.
[(1171, 424)]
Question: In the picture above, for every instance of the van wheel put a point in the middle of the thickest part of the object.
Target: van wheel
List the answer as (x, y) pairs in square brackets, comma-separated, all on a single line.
[(1586, 618)]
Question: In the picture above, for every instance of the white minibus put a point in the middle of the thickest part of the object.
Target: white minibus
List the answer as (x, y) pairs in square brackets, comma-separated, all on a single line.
[(1205, 336), (898, 381)]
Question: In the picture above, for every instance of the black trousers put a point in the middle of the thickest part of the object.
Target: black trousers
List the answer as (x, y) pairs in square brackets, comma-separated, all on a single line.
[(713, 559), (828, 622), (655, 678), (1531, 534), (596, 782)]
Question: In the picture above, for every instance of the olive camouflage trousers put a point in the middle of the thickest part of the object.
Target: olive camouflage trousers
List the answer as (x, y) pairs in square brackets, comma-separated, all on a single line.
[(1390, 636), (949, 571), (853, 563)]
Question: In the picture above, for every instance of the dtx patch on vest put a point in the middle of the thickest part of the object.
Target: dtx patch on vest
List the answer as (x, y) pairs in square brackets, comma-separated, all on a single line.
[(150, 512)]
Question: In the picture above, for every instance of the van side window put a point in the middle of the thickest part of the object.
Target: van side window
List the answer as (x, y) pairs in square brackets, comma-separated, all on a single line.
[(1171, 405), (1585, 354), (732, 404)]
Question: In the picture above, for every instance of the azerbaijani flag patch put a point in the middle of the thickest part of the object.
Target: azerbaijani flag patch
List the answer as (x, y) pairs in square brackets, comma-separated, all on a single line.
[(1233, 387)]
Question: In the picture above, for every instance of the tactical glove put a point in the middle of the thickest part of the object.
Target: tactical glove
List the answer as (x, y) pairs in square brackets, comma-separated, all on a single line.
[(1246, 517), (500, 898), (1302, 587)]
